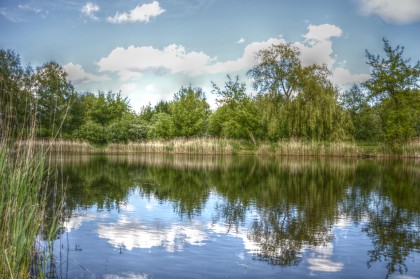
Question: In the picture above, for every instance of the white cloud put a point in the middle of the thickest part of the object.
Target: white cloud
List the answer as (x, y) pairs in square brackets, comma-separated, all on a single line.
[(343, 76), (78, 75), (324, 265), (90, 9), (247, 60), (321, 259), (158, 73), (401, 11), (322, 32), (317, 46), (131, 234), (133, 61), (141, 13), (240, 41), (318, 53)]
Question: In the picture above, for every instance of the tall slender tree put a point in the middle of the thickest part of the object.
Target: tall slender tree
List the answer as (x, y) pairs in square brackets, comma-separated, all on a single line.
[(395, 86)]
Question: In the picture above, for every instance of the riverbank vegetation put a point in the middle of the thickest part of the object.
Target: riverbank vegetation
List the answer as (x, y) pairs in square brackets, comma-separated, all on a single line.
[(295, 110), (218, 146), (25, 237)]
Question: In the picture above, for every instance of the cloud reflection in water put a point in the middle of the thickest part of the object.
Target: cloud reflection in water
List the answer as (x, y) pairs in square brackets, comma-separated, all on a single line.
[(132, 233)]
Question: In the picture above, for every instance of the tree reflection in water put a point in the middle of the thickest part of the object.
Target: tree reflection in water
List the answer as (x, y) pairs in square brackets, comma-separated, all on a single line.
[(285, 204)]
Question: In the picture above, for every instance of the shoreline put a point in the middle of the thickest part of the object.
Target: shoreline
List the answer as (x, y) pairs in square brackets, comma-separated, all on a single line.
[(214, 146)]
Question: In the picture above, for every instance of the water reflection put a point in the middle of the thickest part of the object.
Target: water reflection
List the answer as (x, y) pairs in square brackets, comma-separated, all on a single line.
[(131, 234), (283, 210)]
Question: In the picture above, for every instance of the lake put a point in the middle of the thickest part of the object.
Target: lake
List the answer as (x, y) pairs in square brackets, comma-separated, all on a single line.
[(174, 216)]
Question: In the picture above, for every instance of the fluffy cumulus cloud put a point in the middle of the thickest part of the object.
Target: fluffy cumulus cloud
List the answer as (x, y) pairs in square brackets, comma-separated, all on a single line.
[(177, 65), (141, 13), (401, 11), (90, 9), (133, 61), (322, 32), (317, 46), (77, 74)]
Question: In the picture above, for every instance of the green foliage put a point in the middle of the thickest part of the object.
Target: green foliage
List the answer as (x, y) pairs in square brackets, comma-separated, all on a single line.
[(53, 93), (21, 215), (108, 115), (16, 101), (236, 116), (296, 101), (128, 129), (162, 127), (109, 107), (92, 132), (394, 86), (278, 71), (189, 111), (293, 102)]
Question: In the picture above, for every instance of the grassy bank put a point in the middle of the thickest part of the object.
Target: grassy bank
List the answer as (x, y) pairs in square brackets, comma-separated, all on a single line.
[(23, 252), (213, 146)]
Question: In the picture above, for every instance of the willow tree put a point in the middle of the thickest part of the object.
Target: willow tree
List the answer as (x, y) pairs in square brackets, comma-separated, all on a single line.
[(295, 100), (275, 79), (316, 113)]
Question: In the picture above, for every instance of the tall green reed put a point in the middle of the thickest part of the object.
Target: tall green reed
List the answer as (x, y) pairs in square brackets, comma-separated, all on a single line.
[(21, 179), (25, 236)]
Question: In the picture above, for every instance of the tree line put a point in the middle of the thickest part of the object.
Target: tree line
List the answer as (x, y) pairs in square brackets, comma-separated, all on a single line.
[(292, 101)]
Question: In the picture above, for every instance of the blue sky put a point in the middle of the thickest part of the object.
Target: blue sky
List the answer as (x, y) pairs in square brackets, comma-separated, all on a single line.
[(149, 49)]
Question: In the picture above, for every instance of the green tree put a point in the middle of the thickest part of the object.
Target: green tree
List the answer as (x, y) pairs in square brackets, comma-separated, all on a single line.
[(296, 101), (278, 71), (364, 117), (53, 93), (105, 109), (237, 114), (17, 104), (129, 128), (162, 127), (394, 84), (315, 113), (90, 131), (189, 111)]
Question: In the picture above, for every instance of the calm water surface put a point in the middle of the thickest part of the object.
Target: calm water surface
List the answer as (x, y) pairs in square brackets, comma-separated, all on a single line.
[(157, 216)]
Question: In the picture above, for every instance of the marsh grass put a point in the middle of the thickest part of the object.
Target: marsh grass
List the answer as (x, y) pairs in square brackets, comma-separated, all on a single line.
[(210, 146), (302, 148), (21, 179), (220, 146), (25, 236)]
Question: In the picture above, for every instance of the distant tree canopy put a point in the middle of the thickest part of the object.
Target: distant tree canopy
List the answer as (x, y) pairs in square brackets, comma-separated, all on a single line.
[(290, 101)]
